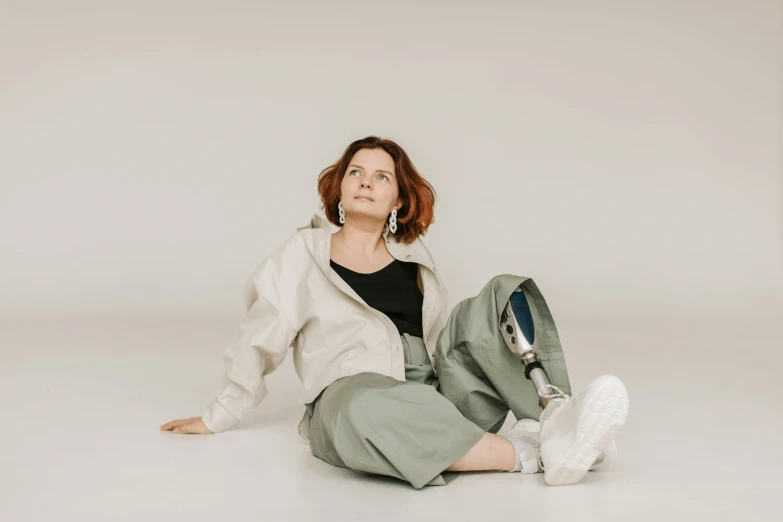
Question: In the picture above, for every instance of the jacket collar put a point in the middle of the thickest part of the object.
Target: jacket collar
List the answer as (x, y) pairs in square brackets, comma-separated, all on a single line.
[(320, 247)]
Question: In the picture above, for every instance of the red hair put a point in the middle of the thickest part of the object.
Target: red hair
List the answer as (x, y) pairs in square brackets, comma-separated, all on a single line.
[(417, 212)]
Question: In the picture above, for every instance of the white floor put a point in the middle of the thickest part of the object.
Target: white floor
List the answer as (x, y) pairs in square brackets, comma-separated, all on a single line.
[(83, 401)]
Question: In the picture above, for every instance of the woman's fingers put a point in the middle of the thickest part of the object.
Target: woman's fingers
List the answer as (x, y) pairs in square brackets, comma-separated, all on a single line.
[(175, 423), (191, 425)]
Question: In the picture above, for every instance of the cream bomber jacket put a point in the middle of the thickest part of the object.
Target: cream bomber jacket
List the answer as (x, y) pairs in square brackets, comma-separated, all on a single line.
[(295, 299)]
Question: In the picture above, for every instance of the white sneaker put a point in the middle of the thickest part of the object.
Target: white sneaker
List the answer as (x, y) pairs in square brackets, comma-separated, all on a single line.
[(528, 430), (575, 430)]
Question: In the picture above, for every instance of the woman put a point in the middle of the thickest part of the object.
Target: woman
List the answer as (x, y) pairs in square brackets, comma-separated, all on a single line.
[(394, 383)]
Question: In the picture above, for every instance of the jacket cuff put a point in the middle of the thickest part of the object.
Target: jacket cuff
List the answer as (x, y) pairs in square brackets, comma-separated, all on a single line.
[(217, 418)]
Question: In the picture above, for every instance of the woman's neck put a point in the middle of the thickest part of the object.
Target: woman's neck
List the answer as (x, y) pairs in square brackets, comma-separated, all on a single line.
[(367, 243)]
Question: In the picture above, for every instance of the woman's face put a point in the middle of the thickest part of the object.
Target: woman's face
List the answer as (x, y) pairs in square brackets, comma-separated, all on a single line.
[(371, 174)]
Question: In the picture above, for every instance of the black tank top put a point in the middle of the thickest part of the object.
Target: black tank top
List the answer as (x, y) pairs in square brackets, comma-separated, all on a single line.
[(392, 290)]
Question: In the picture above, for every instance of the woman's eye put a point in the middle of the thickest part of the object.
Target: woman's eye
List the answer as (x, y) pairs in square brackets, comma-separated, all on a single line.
[(384, 176)]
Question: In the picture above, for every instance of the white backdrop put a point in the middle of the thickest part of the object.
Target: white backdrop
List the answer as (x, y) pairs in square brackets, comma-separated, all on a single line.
[(626, 158), (625, 155)]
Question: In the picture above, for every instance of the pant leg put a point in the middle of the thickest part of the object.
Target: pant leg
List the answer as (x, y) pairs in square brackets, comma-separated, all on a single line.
[(477, 371), (376, 424), (412, 430)]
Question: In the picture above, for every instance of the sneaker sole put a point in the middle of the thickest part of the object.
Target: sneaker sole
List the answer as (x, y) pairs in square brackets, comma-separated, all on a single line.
[(599, 423)]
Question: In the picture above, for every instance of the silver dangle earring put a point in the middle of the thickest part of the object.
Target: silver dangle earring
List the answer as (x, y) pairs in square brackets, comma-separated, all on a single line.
[(342, 212), (393, 221)]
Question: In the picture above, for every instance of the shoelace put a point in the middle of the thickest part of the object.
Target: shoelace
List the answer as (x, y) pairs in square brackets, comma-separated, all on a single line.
[(540, 460), (558, 392), (537, 445)]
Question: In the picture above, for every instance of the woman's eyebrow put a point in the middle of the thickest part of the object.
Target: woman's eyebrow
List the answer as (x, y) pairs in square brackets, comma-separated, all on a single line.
[(376, 170)]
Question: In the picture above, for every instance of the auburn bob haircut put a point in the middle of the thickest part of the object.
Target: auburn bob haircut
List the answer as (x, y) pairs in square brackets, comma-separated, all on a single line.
[(417, 212)]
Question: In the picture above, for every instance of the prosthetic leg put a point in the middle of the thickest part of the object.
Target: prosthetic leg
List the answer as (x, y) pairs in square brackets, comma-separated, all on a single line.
[(602, 407), (516, 325)]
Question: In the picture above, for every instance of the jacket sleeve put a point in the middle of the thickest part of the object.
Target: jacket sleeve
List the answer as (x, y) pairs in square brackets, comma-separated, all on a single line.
[(265, 334)]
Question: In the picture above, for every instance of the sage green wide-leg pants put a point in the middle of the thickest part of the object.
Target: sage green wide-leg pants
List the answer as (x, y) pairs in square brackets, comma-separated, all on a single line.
[(414, 430)]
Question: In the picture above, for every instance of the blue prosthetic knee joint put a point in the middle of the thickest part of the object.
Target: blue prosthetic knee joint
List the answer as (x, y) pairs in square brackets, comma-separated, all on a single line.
[(516, 325)]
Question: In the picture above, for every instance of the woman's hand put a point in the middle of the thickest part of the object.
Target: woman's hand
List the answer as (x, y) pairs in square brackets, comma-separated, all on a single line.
[(191, 425)]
